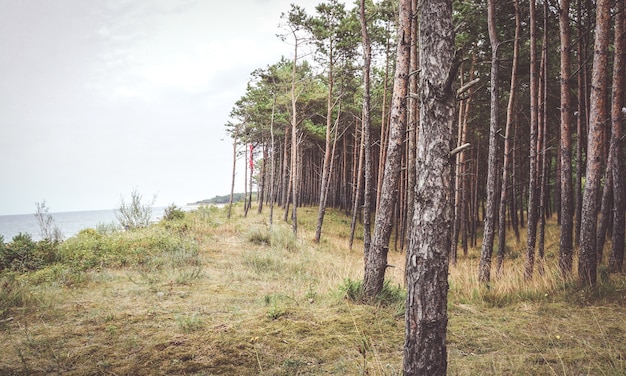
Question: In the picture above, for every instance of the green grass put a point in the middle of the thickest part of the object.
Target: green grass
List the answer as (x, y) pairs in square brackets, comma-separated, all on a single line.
[(203, 295)]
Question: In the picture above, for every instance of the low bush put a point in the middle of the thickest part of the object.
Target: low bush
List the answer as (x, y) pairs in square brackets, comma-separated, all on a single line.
[(23, 254), (173, 213), (146, 247)]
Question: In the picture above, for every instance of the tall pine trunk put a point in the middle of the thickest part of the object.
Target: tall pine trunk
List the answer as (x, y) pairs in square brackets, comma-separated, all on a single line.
[(542, 140), (567, 195), (581, 120), (587, 262), (366, 153), (508, 150), (412, 128), (484, 272), (425, 351), (616, 259), (376, 259), (534, 117)]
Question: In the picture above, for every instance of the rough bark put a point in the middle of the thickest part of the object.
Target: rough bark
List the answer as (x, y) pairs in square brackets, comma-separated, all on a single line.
[(587, 262), (484, 270), (376, 259), (532, 181), (567, 209), (581, 119), (427, 270), (616, 259), (412, 128)]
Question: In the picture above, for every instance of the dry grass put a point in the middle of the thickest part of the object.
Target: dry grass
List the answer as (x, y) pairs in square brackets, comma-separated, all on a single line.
[(254, 301)]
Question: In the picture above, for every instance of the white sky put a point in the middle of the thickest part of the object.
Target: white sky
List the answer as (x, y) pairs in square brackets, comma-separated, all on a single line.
[(98, 98)]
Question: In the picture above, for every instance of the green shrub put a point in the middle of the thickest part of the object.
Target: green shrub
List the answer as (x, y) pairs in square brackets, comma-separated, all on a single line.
[(15, 254), (173, 213), (58, 275), (24, 254)]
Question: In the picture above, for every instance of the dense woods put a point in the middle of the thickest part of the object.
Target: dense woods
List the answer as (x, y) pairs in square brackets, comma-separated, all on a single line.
[(332, 131), (538, 106)]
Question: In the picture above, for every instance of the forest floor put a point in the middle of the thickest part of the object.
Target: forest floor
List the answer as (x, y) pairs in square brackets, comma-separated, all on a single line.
[(254, 301)]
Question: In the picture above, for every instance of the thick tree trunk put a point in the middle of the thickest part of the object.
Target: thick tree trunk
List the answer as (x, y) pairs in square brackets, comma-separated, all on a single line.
[(581, 120), (376, 263), (412, 129), (567, 208), (534, 116), (484, 270), (425, 349), (616, 259), (587, 262)]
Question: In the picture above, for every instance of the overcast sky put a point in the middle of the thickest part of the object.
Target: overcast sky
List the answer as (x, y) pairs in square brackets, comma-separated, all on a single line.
[(99, 98)]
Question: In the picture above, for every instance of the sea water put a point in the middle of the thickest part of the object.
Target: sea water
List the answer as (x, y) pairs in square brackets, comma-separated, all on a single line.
[(70, 223)]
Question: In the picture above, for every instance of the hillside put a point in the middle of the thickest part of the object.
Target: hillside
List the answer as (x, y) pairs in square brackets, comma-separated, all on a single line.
[(210, 296)]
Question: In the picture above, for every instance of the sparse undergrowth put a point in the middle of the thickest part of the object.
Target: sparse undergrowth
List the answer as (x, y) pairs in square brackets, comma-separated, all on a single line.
[(201, 295)]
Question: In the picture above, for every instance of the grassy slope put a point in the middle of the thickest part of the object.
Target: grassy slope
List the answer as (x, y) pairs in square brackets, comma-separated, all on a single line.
[(241, 306)]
